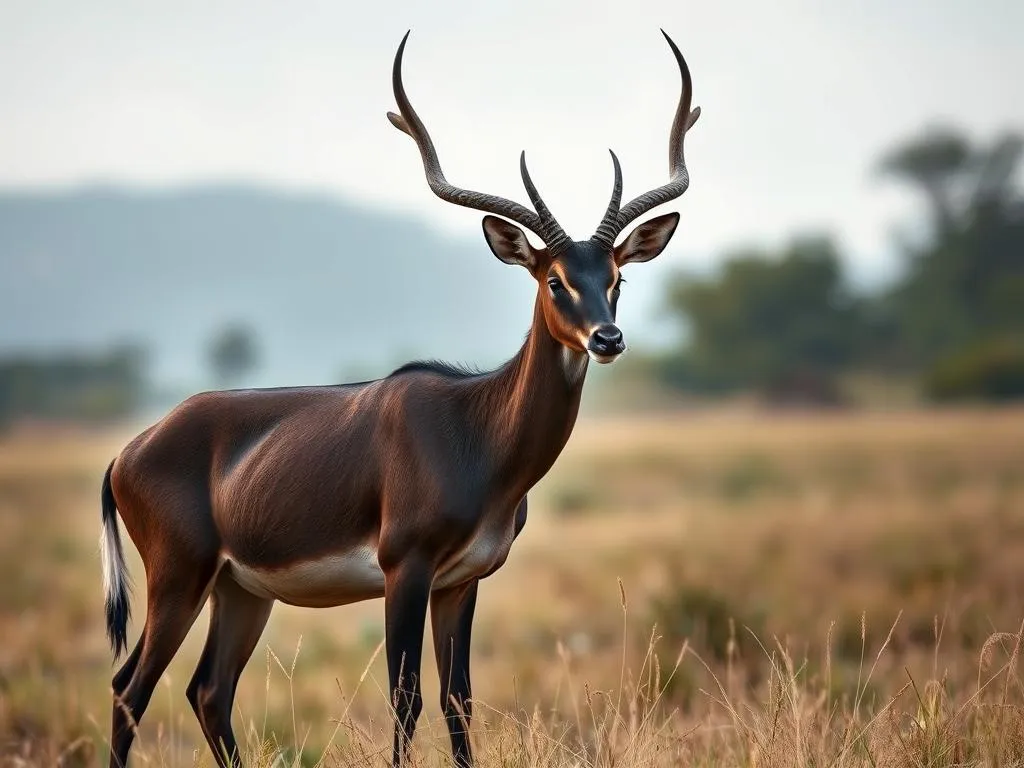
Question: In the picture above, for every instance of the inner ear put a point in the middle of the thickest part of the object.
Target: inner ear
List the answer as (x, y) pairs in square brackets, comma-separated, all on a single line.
[(647, 240), (509, 243)]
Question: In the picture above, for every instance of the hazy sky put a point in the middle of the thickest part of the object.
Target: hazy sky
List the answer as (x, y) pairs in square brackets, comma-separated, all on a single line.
[(798, 98)]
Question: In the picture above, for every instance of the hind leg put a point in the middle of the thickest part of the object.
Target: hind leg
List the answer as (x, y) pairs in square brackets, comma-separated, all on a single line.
[(237, 619), (124, 674), (175, 597)]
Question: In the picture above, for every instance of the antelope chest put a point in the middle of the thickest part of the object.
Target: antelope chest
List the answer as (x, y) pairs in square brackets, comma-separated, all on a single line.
[(482, 553)]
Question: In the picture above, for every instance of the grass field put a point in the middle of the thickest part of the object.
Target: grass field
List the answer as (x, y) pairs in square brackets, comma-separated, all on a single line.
[(710, 589)]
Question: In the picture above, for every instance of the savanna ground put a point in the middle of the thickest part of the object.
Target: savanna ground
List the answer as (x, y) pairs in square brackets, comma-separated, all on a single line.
[(795, 590)]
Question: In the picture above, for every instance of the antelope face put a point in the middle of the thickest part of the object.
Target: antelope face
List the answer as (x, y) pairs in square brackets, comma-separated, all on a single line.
[(579, 292), (579, 286)]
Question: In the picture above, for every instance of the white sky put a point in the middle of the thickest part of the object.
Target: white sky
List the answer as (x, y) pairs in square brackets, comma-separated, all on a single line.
[(798, 98)]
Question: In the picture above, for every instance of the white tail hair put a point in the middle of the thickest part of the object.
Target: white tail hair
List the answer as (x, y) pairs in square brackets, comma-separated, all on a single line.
[(116, 585)]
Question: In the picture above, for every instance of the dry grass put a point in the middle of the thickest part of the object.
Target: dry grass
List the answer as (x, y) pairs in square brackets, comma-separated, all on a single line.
[(826, 591)]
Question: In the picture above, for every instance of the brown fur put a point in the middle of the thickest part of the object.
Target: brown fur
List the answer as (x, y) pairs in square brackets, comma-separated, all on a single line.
[(412, 487)]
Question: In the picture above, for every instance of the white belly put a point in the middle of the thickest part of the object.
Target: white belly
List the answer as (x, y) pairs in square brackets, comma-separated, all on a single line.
[(332, 580), (340, 579)]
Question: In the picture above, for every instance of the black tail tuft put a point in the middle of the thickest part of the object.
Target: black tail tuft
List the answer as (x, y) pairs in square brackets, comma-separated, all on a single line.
[(115, 572)]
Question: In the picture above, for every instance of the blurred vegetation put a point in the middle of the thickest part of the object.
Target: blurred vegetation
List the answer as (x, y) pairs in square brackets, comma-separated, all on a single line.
[(232, 353), (72, 386), (777, 321), (991, 369), (88, 387), (787, 324)]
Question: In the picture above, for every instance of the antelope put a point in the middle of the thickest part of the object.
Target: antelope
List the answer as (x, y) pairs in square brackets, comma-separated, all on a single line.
[(411, 487)]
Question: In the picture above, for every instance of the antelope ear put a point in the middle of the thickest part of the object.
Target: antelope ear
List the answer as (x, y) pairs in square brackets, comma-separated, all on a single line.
[(647, 240), (509, 243)]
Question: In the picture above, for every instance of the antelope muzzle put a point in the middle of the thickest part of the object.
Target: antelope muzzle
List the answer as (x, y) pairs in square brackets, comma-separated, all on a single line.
[(606, 343)]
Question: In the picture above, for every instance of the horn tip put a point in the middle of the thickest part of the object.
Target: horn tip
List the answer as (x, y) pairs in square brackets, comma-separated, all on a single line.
[(672, 45), (401, 45), (616, 165)]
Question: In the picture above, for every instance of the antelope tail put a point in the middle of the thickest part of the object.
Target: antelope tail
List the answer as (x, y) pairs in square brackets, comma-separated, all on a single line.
[(116, 586)]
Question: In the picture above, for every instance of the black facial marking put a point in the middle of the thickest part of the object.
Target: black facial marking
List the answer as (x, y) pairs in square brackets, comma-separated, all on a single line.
[(580, 286)]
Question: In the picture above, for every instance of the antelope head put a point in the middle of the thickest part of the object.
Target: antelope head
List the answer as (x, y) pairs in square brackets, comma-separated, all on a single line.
[(578, 280)]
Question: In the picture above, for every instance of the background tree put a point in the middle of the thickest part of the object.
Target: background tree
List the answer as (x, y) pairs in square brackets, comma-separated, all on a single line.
[(232, 354), (935, 162), (783, 323), (962, 295)]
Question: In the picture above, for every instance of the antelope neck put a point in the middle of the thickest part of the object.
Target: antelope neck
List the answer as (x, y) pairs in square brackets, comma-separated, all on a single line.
[(533, 400)]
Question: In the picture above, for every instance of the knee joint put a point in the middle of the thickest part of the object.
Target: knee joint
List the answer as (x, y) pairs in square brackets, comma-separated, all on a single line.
[(122, 677), (201, 694)]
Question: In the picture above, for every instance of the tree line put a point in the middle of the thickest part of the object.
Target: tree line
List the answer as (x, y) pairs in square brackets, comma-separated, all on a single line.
[(104, 386), (786, 322)]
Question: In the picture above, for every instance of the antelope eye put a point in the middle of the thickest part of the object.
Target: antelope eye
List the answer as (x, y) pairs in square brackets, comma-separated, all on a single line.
[(555, 285), (618, 285)]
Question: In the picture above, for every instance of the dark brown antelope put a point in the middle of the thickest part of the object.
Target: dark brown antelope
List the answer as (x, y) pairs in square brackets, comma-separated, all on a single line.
[(411, 487)]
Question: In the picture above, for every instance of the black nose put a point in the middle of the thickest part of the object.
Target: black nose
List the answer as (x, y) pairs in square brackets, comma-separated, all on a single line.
[(607, 340)]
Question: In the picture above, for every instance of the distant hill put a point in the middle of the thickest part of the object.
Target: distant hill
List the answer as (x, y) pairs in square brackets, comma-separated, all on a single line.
[(329, 288)]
